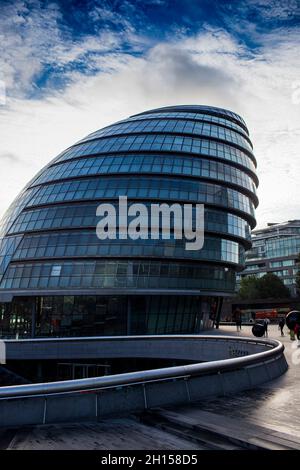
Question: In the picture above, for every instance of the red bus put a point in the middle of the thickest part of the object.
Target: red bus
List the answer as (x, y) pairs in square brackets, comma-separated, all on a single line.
[(272, 314)]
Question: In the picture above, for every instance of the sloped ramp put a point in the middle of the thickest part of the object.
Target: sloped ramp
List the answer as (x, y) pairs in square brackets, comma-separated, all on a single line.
[(221, 432)]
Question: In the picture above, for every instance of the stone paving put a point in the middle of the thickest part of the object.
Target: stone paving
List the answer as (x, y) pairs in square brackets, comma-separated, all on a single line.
[(276, 403), (112, 434)]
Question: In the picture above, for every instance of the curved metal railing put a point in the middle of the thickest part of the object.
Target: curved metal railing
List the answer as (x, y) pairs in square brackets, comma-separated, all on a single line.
[(274, 349)]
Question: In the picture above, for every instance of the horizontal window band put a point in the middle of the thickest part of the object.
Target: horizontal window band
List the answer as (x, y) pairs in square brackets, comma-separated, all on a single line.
[(172, 134), (199, 117), (238, 187), (78, 215), (150, 119), (199, 109), (246, 242), (245, 215), (237, 265), (163, 153)]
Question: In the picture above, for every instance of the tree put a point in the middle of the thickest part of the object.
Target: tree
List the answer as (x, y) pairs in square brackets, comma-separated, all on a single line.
[(249, 288), (271, 286), (298, 273), (298, 280), (268, 286)]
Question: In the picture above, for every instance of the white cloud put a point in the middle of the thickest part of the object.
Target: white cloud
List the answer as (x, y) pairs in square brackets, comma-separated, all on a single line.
[(209, 68), (27, 38), (273, 9), (32, 38)]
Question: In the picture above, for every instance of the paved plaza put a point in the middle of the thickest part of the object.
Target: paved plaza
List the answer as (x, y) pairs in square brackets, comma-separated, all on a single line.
[(273, 404), (267, 413)]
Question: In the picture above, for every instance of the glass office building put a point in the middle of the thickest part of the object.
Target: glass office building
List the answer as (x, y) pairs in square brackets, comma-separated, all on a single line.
[(275, 250), (58, 279)]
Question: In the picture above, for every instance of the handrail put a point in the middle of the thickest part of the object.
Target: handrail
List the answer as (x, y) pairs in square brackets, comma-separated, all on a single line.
[(158, 337), (143, 338), (275, 348)]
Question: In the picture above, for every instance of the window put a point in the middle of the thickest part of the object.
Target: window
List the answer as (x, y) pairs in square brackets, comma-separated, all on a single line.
[(55, 271)]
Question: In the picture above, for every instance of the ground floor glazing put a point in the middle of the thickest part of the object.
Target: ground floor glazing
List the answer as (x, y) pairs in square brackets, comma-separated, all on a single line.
[(96, 315)]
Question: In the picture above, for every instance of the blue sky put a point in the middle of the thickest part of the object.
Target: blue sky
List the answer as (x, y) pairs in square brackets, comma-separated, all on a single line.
[(68, 68)]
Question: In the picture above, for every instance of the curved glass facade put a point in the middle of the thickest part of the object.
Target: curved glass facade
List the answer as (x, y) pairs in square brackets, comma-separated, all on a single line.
[(154, 164), (161, 142), (58, 278), (174, 126)]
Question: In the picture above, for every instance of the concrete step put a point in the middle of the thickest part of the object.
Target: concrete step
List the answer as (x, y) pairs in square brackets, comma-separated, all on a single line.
[(207, 440), (239, 433)]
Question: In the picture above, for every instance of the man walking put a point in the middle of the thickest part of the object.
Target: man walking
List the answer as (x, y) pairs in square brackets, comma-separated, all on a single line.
[(238, 319), (266, 324), (281, 325), (297, 331)]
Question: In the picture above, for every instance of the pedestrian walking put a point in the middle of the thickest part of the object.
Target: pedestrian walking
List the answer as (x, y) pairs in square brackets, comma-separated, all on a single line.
[(297, 330), (237, 315), (266, 324), (281, 325), (292, 335)]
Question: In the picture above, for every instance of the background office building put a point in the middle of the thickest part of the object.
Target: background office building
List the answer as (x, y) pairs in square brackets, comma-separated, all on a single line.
[(275, 249), (58, 279)]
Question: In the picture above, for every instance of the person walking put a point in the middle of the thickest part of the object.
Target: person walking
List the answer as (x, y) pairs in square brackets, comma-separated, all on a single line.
[(266, 324), (292, 335), (238, 319), (297, 331), (281, 325)]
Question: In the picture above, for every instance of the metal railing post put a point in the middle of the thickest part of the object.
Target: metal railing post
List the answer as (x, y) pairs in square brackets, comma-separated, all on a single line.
[(45, 410), (187, 388), (145, 396)]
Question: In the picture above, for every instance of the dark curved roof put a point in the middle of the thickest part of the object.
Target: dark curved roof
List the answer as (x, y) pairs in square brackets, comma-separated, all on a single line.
[(200, 108)]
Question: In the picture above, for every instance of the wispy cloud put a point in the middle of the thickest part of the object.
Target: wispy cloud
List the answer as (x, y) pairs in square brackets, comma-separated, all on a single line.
[(37, 44), (271, 9), (10, 157), (28, 34)]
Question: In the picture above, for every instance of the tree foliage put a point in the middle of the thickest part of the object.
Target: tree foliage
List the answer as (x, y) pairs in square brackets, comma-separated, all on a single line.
[(298, 280), (298, 274), (268, 286), (249, 288)]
